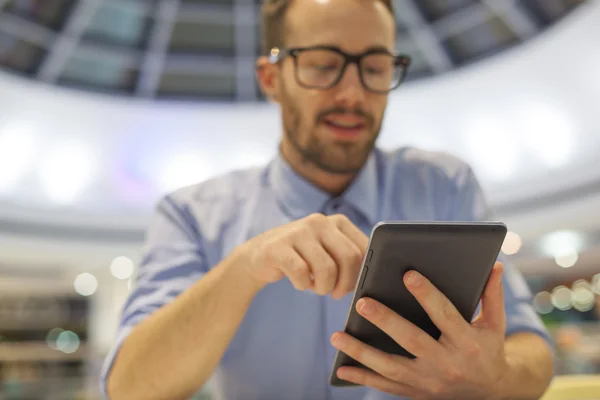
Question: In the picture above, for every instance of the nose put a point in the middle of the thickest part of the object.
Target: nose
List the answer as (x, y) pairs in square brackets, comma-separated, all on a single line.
[(350, 91)]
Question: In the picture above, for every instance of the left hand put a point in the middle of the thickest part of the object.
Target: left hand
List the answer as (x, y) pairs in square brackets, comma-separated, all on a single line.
[(468, 361)]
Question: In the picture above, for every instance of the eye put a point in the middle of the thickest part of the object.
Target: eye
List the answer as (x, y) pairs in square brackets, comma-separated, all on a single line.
[(324, 68), (373, 71)]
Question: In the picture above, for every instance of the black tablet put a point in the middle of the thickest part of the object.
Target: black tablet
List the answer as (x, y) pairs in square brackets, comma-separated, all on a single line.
[(456, 257)]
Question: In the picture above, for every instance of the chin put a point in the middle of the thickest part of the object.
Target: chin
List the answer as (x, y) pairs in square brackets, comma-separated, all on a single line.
[(345, 165)]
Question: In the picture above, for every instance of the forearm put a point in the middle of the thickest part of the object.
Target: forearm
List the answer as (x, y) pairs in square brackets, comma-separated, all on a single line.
[(174, 351), (531, 367)]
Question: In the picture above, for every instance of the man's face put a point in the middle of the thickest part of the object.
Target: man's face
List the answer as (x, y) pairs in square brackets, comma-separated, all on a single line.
[(334, 129)]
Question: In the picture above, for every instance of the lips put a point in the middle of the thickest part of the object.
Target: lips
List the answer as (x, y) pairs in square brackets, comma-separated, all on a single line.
[(345, 124), (345, 121), (345, 129)]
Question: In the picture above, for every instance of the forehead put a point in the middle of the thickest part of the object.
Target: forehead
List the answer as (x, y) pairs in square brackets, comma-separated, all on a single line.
[(353, 25)]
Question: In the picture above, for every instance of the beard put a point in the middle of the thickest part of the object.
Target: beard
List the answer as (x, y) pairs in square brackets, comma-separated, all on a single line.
[(340, 158)]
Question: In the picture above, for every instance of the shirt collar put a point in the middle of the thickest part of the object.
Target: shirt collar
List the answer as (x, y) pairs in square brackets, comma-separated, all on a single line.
[(300, 198)]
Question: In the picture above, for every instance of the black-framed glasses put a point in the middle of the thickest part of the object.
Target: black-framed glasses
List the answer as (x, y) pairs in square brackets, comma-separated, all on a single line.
[(322, 67)]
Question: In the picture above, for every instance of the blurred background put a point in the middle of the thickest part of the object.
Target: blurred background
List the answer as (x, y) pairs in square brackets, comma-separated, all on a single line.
[(105, 105)]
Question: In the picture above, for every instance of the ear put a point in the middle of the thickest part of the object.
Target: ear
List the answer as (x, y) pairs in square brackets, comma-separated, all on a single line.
[(267, 75)]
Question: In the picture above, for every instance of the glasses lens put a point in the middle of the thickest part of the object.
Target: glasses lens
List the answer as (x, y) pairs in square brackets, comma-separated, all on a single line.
[(319, 68), (380, 72)]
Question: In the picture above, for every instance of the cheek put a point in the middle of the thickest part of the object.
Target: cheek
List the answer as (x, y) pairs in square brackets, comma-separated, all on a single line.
[(307, 106), (379, 106)]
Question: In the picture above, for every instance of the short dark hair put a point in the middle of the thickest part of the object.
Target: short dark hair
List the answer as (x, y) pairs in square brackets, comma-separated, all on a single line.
[(273, 22)]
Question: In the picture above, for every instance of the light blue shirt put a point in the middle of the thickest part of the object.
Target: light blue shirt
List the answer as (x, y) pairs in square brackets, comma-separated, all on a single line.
[(282, 348)]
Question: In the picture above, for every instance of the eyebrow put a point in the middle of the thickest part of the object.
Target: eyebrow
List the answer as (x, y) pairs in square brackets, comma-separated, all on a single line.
[(370, 48)]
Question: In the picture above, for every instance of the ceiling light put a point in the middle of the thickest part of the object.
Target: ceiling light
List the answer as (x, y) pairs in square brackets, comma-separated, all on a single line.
[(67, 342), (492, 147), (567, 260), (548, 133), (52, 336), (562, 298), (66, 171), (122, 267), (512, 243), (562, 243), (85, 284), (583, 299), (17, 151)]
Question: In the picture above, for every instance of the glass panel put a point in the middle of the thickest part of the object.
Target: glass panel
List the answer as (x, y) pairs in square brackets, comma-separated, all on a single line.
[(120, 22), (17, 54), (50, 13), (418, 63), (482, 40), (212, 2), (198, 86), (435, 9), (193, 37), (86, 68), (545, 12)]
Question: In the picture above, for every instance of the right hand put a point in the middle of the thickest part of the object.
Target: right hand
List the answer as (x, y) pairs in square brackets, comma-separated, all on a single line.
[(319, 253)]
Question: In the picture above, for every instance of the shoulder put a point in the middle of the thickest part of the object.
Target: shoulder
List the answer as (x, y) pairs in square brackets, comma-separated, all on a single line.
[(215, 200), (230, 187), (426, 164)]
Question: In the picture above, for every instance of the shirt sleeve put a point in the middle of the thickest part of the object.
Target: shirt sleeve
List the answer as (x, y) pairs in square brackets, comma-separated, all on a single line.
[(172, 260), (471, 205)]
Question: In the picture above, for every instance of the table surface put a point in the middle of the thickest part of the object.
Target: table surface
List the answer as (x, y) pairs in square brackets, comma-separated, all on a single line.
[(574, 387)]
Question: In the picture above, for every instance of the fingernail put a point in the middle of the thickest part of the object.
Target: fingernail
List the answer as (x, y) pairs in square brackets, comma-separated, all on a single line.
[(365, 307), (337, 340), (414, 279)]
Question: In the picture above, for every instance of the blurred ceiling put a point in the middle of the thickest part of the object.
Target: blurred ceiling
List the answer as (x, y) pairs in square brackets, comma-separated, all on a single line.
[(80, 172), (206, 49)]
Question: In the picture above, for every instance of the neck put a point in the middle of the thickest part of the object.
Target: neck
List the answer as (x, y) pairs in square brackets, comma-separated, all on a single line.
[(334, 184)]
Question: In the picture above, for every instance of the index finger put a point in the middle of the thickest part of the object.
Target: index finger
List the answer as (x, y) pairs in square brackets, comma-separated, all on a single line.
[(351, 232), (437, 306), (492, 301)]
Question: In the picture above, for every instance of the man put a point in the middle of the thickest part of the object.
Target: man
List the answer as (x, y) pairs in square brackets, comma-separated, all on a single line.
[(246, 278)]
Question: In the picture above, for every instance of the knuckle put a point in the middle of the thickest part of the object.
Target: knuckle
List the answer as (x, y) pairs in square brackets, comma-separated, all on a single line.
[(339, 218), (298, 267), (393, 372), (270, 253), (301, 231), (326, 280), (437, 389), (330, 274), (316, 219), (454, 374), (447, 311), (416, 341), (355, 256)]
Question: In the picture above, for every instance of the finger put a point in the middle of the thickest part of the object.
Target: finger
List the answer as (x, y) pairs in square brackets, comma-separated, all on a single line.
[(397, 368), (493, 314), (295, 268), (416, 341), (352, 232), (370, 379), (437, 306), (348, 258), (322, 266)]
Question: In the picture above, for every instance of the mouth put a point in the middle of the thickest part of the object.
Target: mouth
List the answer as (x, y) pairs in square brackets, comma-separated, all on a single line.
[(346, 128)]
